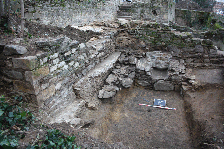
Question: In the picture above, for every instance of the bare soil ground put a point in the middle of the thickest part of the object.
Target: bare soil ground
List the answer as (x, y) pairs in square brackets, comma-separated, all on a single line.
[(205, 115), (123, 120)]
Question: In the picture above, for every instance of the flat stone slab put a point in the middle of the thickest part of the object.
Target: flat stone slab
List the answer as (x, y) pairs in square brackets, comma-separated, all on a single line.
[(86, 87), (162, 85), (159, 74)]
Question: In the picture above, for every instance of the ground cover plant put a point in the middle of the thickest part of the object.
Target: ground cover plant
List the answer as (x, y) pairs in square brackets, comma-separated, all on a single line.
[(15, 121)]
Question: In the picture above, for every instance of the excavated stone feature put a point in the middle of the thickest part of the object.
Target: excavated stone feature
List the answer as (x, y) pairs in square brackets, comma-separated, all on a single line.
[(162, 85), (86, 87)]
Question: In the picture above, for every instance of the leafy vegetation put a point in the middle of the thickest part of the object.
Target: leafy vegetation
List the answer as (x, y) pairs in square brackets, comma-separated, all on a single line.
[(57, 140), (14, 118)]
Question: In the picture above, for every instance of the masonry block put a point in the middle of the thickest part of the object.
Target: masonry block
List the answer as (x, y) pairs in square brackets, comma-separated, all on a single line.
[(26, 63)]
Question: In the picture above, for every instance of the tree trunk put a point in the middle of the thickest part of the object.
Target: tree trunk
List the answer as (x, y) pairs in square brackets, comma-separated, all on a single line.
[(7, 8), (2, 8), (22, 18)]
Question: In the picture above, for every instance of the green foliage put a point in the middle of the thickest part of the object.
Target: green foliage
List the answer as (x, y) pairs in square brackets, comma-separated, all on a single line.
[(57, 140), (12, 117), (217, 26)]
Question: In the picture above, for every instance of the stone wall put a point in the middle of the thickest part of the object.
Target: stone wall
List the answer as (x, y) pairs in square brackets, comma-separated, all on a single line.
[(72, 12), (46, 78), (192, 18), (155, 11), (167, 60), (81, 13)]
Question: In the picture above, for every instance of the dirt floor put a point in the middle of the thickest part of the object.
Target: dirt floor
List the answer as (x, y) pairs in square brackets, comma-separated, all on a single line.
[(123, 120)]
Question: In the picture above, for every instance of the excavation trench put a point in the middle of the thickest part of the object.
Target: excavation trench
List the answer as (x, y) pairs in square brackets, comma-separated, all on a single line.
[(121, 119), (197, 121)]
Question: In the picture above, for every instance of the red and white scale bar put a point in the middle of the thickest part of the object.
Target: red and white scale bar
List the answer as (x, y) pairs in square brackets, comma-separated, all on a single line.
[(167, 108)]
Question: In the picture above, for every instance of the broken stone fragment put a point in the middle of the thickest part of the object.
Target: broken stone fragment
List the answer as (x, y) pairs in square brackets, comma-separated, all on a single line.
[(132, 60), (127, 82), (176, 66), (111, 79), (14, 49), (143, 83), (143, 64), (73, 44), (108, 91)]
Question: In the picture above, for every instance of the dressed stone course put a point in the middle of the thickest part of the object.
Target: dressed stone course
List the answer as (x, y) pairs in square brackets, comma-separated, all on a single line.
[(26, 63)]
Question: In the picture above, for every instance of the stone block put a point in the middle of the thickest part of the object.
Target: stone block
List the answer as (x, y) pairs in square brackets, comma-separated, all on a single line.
[(74, 50), (13, 74), (26, 63), (206, 60), (53, 68), (143, 82), (82, 46), (207, 42), (43, 42), (58, 86), (55, 55), (162, 85), (14, 49), (199, 49), (61, 64), (45, 60), (55, 61), (32, 76), (73, 44), (143, 64), (25, 87)]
